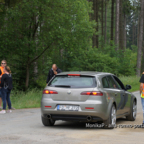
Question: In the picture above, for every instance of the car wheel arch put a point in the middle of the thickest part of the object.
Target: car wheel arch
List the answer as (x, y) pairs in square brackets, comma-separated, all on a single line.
[(115, 105), (135, 100), (110, 106)]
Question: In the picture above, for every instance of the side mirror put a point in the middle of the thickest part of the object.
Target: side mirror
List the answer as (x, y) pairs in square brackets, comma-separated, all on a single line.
[(128, 87)]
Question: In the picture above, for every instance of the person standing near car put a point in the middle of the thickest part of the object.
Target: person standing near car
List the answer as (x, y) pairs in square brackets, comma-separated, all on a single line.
[(53, 71), (142, 93), (6, 87), (3, 64)]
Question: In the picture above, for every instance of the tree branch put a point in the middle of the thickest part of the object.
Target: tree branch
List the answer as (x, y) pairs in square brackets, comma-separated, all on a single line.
[(39, 55)]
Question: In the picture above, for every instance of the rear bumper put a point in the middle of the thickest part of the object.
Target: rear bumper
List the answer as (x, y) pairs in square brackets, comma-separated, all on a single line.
[(99, 112), (73, 118)]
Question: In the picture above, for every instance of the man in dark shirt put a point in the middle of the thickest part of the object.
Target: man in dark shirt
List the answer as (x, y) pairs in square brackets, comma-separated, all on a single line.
[(53, 71)]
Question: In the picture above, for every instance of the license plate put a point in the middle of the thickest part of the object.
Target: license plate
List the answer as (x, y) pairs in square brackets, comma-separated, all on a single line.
[(67, 108)]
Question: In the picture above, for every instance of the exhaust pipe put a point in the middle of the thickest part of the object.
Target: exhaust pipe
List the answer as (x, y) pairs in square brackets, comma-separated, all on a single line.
[(49, 116), (89, 118)]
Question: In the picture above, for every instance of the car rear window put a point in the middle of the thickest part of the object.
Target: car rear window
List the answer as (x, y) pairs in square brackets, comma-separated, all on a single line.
[(73, 81)]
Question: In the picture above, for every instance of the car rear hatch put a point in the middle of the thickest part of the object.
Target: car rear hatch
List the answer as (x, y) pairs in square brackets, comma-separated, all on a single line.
[(69, 87)]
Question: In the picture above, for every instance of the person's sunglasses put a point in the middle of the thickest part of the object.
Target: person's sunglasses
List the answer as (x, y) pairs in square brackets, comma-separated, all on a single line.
[(3, 63)]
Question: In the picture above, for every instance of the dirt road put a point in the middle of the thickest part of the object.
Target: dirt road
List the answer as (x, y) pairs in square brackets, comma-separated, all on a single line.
[(25, 127)]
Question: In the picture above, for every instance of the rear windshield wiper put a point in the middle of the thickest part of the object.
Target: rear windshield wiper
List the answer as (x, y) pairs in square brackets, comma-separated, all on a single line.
[(67, 86)]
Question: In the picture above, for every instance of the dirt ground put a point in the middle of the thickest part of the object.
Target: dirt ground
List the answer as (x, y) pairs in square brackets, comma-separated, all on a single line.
[(25, 127)]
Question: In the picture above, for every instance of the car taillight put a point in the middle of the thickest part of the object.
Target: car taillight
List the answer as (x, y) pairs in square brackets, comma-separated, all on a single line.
[(49, 92), (94, 93)]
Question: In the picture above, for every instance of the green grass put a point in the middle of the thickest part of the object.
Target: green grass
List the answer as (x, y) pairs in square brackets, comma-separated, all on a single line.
[(131, 80), (32, 98)]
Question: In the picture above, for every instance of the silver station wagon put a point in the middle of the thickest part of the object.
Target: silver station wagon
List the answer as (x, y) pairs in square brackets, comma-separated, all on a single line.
[(87, 97)]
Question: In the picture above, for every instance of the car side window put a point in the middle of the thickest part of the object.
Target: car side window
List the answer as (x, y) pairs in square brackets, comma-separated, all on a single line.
[(119, 83), (112, 83), (105, 82)]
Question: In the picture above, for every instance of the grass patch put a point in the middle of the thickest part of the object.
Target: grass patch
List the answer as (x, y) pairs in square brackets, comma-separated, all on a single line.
[(32, 98), (131, 80)]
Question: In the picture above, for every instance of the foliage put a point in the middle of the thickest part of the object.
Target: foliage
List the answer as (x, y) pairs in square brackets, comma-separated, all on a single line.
[(34, 27), (94, 60), (105, 60), (35, 34)]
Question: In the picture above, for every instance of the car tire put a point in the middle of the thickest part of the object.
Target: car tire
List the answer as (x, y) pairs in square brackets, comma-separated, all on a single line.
[(111, 121), (47, 122), (133, 112)]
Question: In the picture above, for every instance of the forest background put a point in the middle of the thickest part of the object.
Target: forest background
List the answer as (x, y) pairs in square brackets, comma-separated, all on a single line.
[(77, 35)]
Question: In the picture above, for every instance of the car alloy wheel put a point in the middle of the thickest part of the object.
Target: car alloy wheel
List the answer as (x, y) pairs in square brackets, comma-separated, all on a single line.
[(134, 110), (113, 116)]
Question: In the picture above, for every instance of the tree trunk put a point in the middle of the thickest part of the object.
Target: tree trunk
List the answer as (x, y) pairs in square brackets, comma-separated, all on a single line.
[(105, 21), (125, 32), (112, 18), (117, 23), (142, 65), (139, 54), (133, 27), (95, 36), (94, 17), (27, 76), (138, 32), (121, 27), (97, 10), (133, 34), (102, 32)]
